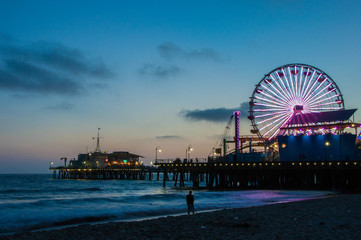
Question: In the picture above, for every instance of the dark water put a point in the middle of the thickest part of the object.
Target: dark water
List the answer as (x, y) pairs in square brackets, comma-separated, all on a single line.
[(29, 202)]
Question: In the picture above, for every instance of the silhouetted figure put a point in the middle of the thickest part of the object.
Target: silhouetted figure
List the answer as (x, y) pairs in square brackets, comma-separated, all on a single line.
[(190, 201)]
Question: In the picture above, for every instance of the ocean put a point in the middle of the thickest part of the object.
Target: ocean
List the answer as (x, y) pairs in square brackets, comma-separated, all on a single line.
[(37, 201)]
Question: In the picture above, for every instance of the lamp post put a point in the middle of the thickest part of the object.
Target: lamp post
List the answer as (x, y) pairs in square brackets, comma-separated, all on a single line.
[(327, 144), (188, 152), (157, 149)]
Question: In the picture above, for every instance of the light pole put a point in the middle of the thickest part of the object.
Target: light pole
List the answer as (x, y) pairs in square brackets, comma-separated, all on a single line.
[(327, 144), (157, 149), (188, 152)]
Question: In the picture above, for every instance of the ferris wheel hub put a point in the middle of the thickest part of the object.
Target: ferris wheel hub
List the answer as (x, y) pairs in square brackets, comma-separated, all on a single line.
[(298, 108)]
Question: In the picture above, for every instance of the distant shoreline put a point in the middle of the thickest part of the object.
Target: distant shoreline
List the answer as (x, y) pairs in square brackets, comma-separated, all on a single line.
[(328, 217)]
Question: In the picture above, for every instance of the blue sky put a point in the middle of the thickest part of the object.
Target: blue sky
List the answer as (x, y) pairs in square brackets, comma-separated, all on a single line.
[(143, 70)]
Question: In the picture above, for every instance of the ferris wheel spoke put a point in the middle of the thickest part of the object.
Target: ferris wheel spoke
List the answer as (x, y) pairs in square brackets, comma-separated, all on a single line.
[(283, 91), (315, 100), (268, 114), (274, 96), (293, 80), (279, 89), (270, 97), (279, 123), (315, 93), (276, 132), (304, 85), (305, 88), (311, 90), (300, 82), (276, 121), (293, 88), (330, 108), (266, 110), (271, 101), (269, 105), (269, 119), (323, 100), (316, 106), (286, 89)]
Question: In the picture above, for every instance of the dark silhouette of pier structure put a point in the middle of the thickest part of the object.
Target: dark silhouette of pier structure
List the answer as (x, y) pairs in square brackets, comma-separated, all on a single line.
[(214, 174), (301, 139), (331, 162)]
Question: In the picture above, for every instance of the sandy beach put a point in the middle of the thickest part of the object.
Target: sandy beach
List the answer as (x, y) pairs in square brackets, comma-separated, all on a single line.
[(334, 217)]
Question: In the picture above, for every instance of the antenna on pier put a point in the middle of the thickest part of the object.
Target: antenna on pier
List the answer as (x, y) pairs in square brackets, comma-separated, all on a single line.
[(97, 149)]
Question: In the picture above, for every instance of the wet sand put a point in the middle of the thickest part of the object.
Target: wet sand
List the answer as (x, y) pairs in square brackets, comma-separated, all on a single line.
[(334, 217)]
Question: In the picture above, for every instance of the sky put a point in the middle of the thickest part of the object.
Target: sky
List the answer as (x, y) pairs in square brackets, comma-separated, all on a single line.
[(154, 73)]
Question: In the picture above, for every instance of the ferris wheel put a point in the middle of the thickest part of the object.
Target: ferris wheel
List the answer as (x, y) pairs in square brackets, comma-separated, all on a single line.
[(290, 90)]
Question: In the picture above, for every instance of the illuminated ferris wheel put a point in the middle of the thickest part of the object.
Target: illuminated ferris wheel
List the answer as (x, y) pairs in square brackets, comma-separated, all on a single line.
[(290, 90)]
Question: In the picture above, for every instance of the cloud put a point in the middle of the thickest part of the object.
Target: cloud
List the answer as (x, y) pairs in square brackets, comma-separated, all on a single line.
[(27, 77), (48, 68), (159, 71), (217, 115), (168, 137), (61, 106), (171, 51)]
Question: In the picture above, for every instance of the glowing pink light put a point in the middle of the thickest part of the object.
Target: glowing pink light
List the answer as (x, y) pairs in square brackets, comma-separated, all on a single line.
[(270, 101), (323, 100), (275, 121), (293, 89), (269, 119), (304, 90), (285, 92), (315, 92), (300, 84), (269, 114), (310, 89), (275, 96), (281, 122)]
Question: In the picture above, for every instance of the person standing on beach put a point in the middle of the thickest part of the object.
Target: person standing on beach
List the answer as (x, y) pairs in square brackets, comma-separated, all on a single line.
[(190, 202)]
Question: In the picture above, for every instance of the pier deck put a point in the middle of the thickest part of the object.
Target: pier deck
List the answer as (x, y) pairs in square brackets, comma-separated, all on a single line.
[(261, 175)]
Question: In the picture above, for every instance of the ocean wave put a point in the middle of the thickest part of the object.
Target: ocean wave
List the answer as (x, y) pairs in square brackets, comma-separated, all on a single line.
[(41, 225), (50, 190)]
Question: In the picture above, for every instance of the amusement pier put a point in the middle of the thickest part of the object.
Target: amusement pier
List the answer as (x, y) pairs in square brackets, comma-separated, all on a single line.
[(302, 137)]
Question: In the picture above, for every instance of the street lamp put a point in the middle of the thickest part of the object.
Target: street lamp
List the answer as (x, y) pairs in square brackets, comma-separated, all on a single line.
[(157, 149), (327, 144), (188, 152)]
